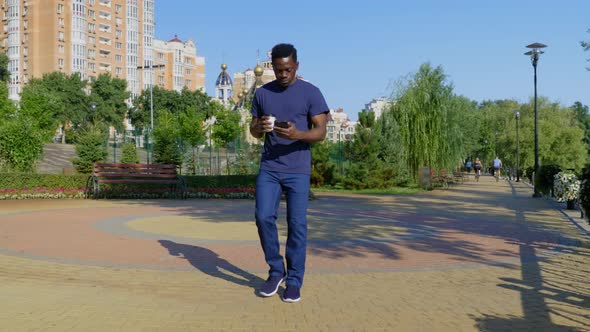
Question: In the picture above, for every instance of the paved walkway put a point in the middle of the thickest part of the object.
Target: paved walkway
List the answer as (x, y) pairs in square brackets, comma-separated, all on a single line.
[(477, 257)]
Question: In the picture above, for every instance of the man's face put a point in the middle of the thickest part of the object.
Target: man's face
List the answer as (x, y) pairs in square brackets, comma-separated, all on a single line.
[(285, 70)]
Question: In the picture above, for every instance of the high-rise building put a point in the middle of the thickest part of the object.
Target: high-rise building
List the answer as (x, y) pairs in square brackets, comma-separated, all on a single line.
[(91, 37), (182, 67)]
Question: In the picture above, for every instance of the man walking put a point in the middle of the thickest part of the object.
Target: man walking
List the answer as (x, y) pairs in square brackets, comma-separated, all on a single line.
[(290, 113)]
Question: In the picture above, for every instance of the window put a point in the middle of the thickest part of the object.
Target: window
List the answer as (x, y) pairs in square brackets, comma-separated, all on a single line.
[(187, 60), (117, 8), (118, 70), (26, 24), (60, 63), (60, 8), (91, 54), (61, 21), (105, 28), (161, 80), (26, 37), (91, 27), (105, 15), (91, 13), (118, 33), (188, 83), (91, 66), (118, 21), (61, 49), (91, 79), (104, 53), (161, 56), (118, 45), (25, 51), (60, 36), (92, 40), (106, 3), (118, 58), (91, 2)]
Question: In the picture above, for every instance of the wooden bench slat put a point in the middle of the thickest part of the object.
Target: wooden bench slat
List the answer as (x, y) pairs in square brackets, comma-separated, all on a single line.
[(136, 174)]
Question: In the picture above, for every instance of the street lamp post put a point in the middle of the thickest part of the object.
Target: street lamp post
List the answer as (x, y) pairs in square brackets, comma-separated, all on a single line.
[(517, 116), (534, 53), (151, 129)]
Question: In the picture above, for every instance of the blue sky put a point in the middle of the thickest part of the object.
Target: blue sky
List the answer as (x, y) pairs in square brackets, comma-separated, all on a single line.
[(355, 50)]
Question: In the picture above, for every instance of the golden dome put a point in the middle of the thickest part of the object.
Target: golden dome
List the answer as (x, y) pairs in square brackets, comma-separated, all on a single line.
[(245, 91), (258, 71), (223, 66), (240, 95)]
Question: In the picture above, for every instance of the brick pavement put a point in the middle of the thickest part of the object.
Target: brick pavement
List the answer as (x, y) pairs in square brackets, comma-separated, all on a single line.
[(477, 257)]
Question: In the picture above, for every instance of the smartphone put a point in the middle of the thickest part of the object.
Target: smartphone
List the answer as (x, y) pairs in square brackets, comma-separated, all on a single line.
[(282, 124)]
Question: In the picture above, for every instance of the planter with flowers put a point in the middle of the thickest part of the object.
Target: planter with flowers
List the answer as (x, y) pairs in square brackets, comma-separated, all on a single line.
[(566, 188)]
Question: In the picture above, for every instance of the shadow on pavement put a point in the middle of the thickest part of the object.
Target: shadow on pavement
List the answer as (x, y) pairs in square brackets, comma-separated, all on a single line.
[(210, 263)]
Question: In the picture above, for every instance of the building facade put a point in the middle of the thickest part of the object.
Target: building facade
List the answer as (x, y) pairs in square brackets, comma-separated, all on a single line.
[(89, 37), (178, 65), (378, 106), (339, 127)]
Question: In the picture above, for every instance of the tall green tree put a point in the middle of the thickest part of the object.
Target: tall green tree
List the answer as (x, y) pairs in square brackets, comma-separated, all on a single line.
[(226, 128), (421, 112), (64, 96), (109, 96), (192, 133), (166, 149)]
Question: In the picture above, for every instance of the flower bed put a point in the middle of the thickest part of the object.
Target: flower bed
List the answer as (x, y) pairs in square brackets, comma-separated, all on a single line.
[(41, 193), (126, 192)]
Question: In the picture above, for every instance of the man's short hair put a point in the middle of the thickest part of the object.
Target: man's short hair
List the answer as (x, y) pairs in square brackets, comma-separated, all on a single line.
[(280, 51)]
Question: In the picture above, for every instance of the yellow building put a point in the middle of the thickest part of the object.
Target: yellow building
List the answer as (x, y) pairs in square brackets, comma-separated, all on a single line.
[(182, 67), (91, 37)]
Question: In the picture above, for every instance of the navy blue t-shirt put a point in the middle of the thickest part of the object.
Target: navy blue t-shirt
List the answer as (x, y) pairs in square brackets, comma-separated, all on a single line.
[(297, 103)]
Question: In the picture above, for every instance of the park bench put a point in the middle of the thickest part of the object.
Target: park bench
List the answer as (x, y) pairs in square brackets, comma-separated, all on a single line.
[(437, 180), (157, 174), (460, 176)]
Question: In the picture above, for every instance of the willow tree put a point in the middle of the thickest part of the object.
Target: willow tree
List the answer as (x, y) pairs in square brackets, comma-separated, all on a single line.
[(423, 116)]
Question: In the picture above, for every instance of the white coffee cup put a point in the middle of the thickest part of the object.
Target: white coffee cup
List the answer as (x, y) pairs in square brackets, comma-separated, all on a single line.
[(272, 120)]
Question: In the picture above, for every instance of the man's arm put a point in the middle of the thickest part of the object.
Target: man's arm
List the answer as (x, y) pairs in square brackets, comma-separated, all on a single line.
[(259, 126), (315, 134)]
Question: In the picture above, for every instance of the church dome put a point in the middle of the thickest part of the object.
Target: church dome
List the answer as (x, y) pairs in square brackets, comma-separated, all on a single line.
[(258, 71), (223, 79)]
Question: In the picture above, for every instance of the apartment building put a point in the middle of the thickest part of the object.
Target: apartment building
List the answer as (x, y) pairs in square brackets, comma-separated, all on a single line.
[(178, 65), (89, 37)]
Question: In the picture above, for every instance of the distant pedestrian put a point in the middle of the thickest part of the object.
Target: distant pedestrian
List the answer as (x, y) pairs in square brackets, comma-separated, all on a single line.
[(290, 113), (468, 166)]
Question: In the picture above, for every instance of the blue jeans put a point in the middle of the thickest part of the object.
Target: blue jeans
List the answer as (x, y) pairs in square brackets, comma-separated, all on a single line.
[(269, 187)]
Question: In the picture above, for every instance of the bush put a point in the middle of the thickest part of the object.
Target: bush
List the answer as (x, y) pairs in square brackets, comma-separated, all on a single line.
[(544, 180), (90, 149), (566, 186), (21, 144), (129, 154)]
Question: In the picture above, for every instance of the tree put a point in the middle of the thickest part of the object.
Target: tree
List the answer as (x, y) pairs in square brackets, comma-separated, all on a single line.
[(90, 149), (192, 132), (109, 95), (586, 46), (21, 143), (4, 73), (63, 95), (421, 112), (226, 128), (129, 154), (166, 149)]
